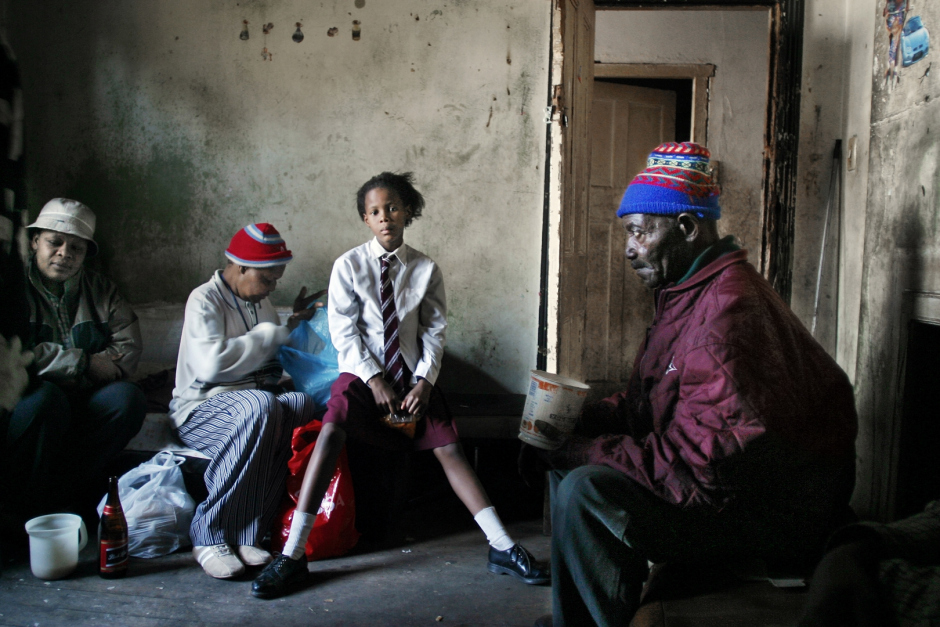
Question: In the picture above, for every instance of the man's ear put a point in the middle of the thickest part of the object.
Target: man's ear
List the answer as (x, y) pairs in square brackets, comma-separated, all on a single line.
[(34, 242), (689, 226), (243, 269)]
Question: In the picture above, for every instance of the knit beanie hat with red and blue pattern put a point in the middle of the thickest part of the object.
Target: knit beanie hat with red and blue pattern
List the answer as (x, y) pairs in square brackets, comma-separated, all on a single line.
[(676, 180), (258, 246)]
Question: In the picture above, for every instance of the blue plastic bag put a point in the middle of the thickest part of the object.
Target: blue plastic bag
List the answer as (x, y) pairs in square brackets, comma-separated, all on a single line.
[(310, 358)]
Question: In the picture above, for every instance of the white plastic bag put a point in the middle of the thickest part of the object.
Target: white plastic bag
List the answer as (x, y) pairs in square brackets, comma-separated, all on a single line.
[(156, 505)]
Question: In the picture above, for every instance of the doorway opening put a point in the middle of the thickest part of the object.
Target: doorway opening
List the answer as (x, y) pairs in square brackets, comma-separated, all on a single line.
[(742, 41), (918, 475), (639, 102), (631, 114)]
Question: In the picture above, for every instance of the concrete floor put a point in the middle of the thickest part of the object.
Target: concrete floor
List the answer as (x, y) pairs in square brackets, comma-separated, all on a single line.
[(433, 573), (433, 566), (436, 580)]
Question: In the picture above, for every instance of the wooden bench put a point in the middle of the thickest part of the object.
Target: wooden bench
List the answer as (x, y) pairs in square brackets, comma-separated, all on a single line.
[(718, 596), (486, 416), (478, 416)]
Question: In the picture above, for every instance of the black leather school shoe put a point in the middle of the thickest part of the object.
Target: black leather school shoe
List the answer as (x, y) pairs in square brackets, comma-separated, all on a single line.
[(279, 577), (519, 563)]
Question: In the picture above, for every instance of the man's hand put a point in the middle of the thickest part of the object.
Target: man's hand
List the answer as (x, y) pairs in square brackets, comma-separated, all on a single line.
[(302, 302), (302, 308), (102, 369), (384, 395), (416, 401)]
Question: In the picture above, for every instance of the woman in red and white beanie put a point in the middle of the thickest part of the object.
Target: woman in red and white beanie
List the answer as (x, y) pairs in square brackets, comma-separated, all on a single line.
[(227, 402)]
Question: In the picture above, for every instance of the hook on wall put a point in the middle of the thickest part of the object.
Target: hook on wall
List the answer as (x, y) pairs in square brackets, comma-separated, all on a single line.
[(265, 31), (244, 34)]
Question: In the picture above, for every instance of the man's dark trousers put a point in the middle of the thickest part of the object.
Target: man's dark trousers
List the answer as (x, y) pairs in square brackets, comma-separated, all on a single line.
[(605, 527)]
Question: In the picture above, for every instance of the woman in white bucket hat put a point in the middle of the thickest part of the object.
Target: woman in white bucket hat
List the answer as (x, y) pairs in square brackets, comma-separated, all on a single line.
[(87, 344)]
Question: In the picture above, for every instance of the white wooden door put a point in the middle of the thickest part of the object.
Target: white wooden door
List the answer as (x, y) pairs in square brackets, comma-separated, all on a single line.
[(627, 123)]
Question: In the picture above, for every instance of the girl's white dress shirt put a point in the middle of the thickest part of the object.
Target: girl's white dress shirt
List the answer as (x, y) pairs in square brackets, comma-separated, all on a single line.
[(355, 313)]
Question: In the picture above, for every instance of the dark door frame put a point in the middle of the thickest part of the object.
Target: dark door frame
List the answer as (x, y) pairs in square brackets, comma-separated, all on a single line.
[(782, 134)]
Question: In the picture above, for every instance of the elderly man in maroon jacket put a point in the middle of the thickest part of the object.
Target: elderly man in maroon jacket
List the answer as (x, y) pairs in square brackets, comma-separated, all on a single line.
[(735, 435)]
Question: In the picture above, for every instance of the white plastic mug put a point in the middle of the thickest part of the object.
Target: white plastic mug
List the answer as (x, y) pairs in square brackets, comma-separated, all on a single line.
[(54, 543)]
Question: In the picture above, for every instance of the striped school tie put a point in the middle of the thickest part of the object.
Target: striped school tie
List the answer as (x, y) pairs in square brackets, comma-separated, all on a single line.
[(396, 371)]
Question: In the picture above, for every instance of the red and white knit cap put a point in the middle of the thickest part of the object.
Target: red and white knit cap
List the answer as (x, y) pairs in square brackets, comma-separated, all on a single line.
[(258, 246)]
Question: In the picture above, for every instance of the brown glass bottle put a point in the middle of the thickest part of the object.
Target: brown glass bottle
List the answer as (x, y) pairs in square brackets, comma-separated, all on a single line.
[(112, 536)]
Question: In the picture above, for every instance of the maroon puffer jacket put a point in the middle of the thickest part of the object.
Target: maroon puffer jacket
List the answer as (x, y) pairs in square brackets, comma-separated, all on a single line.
[(730, 395)]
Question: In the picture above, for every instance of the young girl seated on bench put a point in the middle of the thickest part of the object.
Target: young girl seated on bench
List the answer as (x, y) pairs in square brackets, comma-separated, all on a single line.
[(387, 318)]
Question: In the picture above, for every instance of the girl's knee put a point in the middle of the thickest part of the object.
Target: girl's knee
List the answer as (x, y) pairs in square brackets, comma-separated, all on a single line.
[(449, 453)]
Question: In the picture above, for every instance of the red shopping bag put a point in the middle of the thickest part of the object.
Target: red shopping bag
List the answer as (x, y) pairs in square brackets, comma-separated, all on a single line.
[(334, 531)]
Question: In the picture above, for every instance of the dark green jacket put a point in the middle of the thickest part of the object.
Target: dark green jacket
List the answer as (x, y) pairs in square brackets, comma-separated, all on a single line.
[(91, 317)]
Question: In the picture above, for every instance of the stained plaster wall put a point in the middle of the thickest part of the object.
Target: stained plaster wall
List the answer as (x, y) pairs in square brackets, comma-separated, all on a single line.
[(176, 133), (736, 42), (835, 104), (901, 245), (836, 101), (887, 233)]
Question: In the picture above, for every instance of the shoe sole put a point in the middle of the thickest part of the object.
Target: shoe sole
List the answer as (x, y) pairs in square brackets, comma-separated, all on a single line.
[(502, 570), (235, 575), (289, 585), (255, 564)]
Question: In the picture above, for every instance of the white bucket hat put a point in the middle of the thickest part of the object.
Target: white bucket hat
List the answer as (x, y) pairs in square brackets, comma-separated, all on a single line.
[(70, 217)]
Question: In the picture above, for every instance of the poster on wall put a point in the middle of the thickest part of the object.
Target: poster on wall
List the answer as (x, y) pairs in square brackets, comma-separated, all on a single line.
[(908, 39)]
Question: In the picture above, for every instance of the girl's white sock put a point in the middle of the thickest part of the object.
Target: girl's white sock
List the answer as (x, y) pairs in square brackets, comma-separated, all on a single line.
[(492, 526), (300, 527)]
